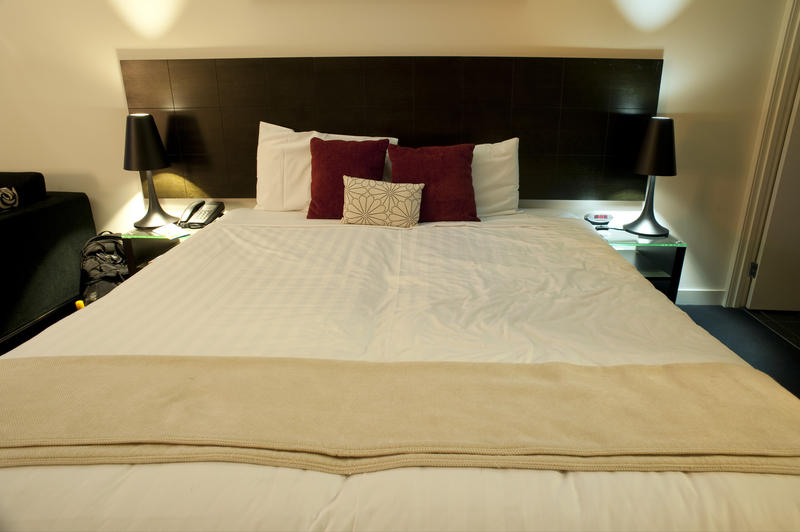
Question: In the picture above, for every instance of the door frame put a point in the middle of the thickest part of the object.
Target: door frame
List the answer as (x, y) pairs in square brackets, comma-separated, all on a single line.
[(774, 129)]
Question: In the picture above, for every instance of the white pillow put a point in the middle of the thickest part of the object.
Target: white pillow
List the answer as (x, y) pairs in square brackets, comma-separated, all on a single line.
[(495, 177), (283, 166)]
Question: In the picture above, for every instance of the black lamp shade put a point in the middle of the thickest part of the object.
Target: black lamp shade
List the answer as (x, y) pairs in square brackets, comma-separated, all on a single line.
[(143, 147), (657, 156)]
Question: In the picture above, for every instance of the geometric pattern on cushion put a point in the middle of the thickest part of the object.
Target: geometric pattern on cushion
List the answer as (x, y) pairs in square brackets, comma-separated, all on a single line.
[(369, 202)]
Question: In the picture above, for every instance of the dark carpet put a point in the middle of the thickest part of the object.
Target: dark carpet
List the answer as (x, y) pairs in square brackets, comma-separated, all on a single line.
[(785, 324), (753, 341)]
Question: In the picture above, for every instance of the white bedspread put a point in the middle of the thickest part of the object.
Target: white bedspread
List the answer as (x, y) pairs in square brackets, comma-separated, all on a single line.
[(521, 288)]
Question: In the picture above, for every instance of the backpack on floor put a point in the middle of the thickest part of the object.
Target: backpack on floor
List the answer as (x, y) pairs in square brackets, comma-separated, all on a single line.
[(103, 265)]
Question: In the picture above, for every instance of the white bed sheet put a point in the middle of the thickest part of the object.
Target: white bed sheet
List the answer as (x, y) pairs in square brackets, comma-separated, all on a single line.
[(521, 288)]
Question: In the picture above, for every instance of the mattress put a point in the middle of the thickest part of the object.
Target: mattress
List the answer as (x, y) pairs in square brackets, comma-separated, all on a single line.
[(526, 288)]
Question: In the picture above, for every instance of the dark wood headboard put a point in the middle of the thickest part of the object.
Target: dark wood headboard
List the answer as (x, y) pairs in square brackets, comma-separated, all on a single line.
[(579, 121)]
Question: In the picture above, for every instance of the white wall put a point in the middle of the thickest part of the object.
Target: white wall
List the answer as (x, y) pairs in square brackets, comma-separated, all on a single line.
[(62, 104)]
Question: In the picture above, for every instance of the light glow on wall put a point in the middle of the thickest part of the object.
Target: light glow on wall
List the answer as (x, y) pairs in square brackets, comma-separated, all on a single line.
[(148, 18), (650, 15)]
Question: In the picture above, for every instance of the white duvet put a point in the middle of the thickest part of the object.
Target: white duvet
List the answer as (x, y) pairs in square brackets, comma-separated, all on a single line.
[(521, 288)]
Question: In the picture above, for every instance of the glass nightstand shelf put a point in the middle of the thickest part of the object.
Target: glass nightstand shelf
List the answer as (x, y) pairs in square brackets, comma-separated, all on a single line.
[(147, 233), (141, 246), (658, 259)]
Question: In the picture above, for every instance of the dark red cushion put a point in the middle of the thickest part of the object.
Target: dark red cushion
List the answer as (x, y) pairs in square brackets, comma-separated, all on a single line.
[(447, 174), (332, 159)]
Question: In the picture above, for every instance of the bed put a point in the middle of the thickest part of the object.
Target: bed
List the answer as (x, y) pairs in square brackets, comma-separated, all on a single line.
[(488, 368), (442, 292)]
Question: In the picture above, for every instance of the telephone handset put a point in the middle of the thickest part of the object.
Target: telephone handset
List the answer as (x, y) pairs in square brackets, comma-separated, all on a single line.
[(201, 213)]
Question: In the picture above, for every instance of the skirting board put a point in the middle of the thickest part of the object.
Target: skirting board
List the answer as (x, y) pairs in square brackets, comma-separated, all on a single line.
[(692, 296)]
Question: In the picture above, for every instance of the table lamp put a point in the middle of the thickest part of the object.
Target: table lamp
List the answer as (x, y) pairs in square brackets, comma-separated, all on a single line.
[(657, 157), (145, 152)]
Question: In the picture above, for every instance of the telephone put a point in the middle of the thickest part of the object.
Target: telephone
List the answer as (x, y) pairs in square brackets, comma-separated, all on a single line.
[(200, 214)]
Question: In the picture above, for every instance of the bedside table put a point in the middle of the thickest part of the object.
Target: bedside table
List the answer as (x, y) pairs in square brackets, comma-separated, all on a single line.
[(658, 259), (141, 246)]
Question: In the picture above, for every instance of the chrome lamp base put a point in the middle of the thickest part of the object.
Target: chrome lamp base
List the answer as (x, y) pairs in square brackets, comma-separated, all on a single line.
[(155, 216), (646, 224)]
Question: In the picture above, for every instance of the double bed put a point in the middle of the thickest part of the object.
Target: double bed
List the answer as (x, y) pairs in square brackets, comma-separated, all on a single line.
[(275, 372), (527, 288)]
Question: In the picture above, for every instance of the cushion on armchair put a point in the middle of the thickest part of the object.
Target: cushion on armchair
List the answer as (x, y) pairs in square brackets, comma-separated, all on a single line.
[(19, 189)]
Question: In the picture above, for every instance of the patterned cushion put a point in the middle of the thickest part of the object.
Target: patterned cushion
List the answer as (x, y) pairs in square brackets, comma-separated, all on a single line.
[(8, 199), (369, 202)]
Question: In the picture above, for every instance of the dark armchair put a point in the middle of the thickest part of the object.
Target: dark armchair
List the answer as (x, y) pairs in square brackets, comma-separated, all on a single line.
[(41, 236)]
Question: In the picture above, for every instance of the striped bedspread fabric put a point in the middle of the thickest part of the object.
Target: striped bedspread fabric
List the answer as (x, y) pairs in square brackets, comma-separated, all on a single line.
[(520, 289)]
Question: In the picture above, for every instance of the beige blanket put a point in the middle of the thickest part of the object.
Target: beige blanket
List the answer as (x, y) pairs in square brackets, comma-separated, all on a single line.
[(352, 417)]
